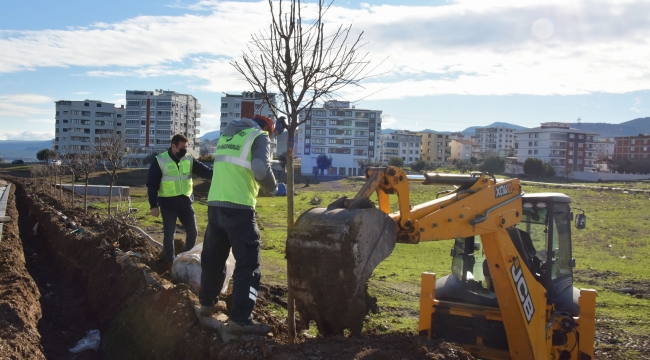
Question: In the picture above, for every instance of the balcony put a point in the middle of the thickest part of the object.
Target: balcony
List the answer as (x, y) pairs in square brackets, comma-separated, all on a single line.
[(197, 123), (198, 115), (197, 131), (198, 106), (557, 155)]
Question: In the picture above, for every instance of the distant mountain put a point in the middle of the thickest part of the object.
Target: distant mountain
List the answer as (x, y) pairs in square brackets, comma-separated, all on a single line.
[(22, 149), (210, 135), (628, 128), (471, 131)]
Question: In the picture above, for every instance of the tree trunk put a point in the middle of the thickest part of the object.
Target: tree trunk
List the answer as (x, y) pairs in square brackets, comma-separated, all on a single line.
[(110, 192), (291, 320), (61, 188), (72, 192), (86, 195)]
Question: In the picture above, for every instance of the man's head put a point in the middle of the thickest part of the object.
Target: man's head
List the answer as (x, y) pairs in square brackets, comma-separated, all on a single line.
[(179, 145), (267, 124)]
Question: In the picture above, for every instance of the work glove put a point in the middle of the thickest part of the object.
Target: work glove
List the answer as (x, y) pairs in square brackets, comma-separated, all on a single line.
[(281, 190)]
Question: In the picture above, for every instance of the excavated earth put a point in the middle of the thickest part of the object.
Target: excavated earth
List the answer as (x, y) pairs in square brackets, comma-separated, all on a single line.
[(60, 277)]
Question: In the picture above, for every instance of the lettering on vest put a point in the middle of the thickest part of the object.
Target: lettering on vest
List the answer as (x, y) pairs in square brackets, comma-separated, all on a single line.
[(522, 289), (229, 146)]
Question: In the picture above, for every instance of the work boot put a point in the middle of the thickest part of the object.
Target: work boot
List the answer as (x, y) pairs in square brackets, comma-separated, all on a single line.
[(252, 327)]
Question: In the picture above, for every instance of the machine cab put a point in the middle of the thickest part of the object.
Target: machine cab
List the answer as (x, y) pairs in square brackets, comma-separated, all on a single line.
[(543, 240)]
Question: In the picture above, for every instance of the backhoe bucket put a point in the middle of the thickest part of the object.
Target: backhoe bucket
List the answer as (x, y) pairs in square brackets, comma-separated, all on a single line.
[(330, 256)]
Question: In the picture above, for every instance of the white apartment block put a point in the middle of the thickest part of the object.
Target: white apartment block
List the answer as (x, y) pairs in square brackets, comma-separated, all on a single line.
[(498, 140), (79, 125), (403, 144), (604, 148), (464, 149), (154, 117), (339, 131), (558, 144), (246, 105)]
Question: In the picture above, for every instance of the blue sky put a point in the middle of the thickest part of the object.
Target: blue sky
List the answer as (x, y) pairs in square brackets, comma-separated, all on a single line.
[(453, 64)]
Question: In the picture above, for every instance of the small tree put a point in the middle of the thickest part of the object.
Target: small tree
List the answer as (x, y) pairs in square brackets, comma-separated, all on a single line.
[(568, 172), (396, 161), (464, 166), (549, 170), (113, 152), (46, 155), (87, 165), (493, 165), (323, 162), (473, 160), (304, 64), (534, 167), (74, 167), (419, 165)]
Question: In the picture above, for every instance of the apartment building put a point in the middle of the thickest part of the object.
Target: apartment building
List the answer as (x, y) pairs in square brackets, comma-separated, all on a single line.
[(464, 149), (632, 147), (436, 147), (604, 148), (403, 144), (339, 131), (152, 118), (499, 140), (558, 144), (246, 105), (79, 125)]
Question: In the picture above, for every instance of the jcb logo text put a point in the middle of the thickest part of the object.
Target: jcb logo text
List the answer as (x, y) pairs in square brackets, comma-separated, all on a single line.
[(522, 289)]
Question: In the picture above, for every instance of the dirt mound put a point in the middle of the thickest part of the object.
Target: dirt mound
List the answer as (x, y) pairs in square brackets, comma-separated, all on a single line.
[(613, 281), (20, 310)]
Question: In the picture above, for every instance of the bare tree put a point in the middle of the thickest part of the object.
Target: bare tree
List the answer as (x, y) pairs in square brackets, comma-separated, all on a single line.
[(73, 164), (87, 165), (306, 66), (114, 155)]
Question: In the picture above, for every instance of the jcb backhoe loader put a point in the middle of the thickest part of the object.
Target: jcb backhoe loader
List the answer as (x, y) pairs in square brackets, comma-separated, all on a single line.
[(510, 293)]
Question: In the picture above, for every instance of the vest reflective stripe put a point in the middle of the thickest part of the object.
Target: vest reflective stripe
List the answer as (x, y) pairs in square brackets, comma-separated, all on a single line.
[(233, 180), (176, 179)]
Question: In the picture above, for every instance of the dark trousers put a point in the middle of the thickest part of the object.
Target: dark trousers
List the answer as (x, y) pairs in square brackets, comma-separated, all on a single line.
[(236, 228), (184, 213)]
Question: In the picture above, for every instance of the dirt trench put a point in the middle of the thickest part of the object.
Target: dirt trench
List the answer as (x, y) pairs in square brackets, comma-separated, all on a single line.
[(75, 283)]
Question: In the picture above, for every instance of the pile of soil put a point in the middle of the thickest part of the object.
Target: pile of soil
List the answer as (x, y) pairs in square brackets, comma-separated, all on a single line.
[(20, 310)]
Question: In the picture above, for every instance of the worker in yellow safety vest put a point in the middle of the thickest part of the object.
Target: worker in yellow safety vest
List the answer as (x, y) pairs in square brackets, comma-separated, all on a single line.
[(242, 165), (170, 192)]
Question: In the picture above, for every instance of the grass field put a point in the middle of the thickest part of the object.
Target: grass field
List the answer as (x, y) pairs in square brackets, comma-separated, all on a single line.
[(613, 252)]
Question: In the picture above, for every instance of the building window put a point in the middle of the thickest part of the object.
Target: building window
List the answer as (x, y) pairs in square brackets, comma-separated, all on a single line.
[(86, 104), (224, 105), (530, 152), (99, 104), (572, 136), (224, 114)]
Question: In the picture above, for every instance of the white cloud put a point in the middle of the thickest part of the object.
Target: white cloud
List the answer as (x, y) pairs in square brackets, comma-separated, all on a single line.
[(81, 93), (25, 105), (475, 47), (26, 135)]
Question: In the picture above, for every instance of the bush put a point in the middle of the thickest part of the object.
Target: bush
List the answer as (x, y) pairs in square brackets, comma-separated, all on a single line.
[(419, 165), (493, 165), (396, 161), (534, 167), (549, 170), (149, 159)]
